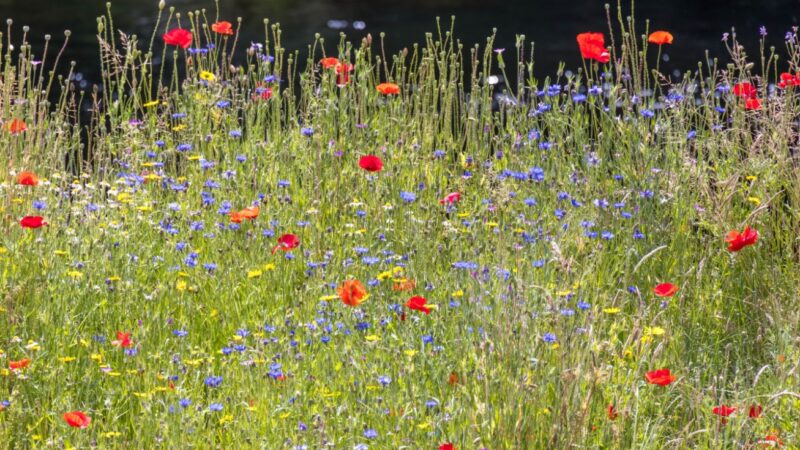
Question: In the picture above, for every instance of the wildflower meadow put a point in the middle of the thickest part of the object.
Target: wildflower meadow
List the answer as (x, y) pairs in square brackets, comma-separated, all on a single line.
[(244, 246)]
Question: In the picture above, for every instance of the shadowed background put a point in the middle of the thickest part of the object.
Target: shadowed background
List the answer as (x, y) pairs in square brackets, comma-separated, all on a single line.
[(552, 25)]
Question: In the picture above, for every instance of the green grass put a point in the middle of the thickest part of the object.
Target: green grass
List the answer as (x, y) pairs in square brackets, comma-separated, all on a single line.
[(123, 223)]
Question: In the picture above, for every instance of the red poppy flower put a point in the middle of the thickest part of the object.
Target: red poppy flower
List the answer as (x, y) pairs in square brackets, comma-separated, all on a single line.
[(592, 46), (450, 198), (32, 222), (352, 293), (737, 241), (222, 27), (723, 411), (660, 37), (27, 179), (250, 213), (611, 412), (286, 242), (788, 80), (417, 303), (266, 94), (752, 104), (16, 126), (123, 340), (755, 411), (179, 38), (370, 163), (665, 290), (21, 364), (661, 377), (329, 62), (77, 419), (745, 90), (447, 446), (343, 73), (388, 89)]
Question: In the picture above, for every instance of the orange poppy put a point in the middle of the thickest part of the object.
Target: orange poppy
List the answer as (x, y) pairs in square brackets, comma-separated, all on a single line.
[(452, 380), (21, 364), (329, 62), (611, 412), (77, 419), (250, 213), (16, 126), (222, 27), (660, 37), (352, 293), (27, 179), (388, 89), (405, 285)]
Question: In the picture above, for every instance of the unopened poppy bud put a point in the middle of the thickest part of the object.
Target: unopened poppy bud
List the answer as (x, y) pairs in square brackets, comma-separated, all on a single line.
[(161, 5)]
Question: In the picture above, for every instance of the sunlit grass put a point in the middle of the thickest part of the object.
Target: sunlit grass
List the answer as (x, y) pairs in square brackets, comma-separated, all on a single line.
[(577, 195)]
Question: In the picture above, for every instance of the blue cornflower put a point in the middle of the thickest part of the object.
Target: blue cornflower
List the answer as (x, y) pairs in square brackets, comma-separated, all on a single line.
[(213, 381), (215, 407), (180, 333), (537, 174), (370, 433), (370, 260), (408, 197), (549, 338), (307, 131)]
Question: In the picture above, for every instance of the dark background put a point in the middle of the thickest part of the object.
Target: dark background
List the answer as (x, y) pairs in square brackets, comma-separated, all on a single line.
[(552, 25)]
